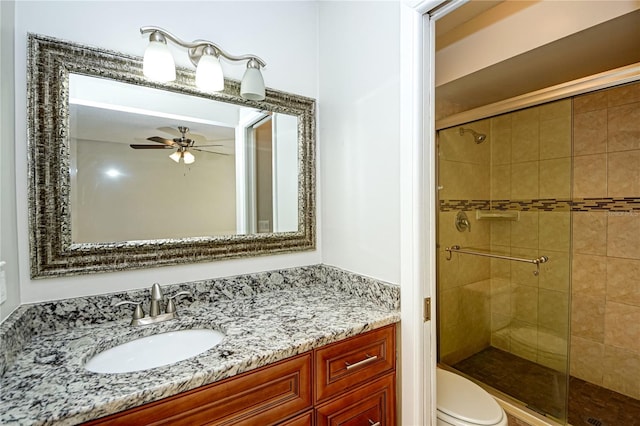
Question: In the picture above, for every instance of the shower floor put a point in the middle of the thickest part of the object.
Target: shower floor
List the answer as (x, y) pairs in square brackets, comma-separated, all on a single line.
[(544, 388)]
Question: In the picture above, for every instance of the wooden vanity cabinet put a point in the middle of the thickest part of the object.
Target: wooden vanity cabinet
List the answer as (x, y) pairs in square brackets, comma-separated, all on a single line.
[(265, 396), (347, 383)]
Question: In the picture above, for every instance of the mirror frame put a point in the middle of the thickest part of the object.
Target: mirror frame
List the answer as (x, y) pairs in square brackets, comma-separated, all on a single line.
[(53, 254)]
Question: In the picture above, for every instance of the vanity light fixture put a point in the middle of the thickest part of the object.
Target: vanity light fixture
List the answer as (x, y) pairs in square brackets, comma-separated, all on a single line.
[(159, 64)]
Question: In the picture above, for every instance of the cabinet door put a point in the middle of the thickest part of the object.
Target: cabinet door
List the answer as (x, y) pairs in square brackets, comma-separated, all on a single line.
[(370, 405), (261, 397)]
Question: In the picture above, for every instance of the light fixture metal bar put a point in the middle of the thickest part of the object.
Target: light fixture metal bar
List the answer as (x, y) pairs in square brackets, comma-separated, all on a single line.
[(196, 47)]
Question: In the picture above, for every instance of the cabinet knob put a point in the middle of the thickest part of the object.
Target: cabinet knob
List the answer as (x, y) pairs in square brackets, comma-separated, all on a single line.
[(372, 423)]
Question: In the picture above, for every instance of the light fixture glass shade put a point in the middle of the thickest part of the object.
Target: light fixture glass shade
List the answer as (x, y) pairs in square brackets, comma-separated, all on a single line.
[(176, 156), (188, 157), (209, 77), (158, 63), (252, 86)]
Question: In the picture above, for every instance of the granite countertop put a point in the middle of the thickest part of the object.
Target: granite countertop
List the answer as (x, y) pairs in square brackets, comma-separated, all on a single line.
[(45, 382)]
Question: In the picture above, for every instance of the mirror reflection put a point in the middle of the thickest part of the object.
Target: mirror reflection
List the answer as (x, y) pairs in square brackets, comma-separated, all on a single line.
[(151, 164)]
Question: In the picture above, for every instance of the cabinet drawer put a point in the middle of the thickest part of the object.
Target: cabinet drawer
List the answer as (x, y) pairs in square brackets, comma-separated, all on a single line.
[(305, 419), (372, 404), (264, 396), (347, 364)]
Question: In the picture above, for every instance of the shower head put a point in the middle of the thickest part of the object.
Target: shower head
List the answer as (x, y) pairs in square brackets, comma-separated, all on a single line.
[(478, 137)]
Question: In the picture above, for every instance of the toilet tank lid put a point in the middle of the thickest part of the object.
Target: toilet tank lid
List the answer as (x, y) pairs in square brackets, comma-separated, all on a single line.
[(464, 400)]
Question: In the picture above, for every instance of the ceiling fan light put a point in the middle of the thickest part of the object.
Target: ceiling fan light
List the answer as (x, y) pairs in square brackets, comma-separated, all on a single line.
[(209, 76), (252, 86), (176, 156), (158, 64), (188, 157)]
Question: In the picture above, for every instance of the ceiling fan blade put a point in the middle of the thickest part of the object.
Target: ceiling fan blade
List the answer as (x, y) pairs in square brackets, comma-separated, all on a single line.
[(210, 152), (139, 146), (205, 146), (158, 139)]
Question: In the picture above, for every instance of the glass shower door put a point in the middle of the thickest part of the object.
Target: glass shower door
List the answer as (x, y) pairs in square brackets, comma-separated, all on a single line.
[(503, 319)]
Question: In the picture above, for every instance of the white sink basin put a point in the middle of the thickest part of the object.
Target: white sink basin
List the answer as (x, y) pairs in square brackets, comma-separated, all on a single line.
[(154, 351)]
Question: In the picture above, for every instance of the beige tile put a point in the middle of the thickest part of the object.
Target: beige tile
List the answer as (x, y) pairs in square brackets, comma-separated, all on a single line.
[(524, 232), (501, 233), (500, 338), (448, 271), (555, 273), (553, 311), (463, 181), (623, 281), (452, 146), (552, 350), (587, 317), (501, 182), (587, 360), (501, 297), (523, 273), (623, 235), (524, 180), (624, 127), (524, 303), (525, 137), (625, 94), (623, 173), (473, 268), (590, 132), (450, 300), (589, 275), (524, 340), (555, 138), (555, 178), (557, 109), (447, 232), (590, 102), (590, 176), (500, 269), (555, 231), (621, 371), (500, 142), (590, 233), (622, 326)]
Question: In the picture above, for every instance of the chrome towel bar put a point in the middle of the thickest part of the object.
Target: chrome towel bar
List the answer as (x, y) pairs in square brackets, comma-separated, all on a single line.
[(537, 261)]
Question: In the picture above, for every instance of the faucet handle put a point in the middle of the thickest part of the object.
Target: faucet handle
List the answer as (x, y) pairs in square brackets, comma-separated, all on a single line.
[(171, 306), (138, 312)]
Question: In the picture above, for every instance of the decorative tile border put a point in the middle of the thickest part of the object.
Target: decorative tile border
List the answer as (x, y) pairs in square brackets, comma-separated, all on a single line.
[(610, 204)]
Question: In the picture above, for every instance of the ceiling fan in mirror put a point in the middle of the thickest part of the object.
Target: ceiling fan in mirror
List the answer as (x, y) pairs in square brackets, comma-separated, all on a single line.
[(183, 145)]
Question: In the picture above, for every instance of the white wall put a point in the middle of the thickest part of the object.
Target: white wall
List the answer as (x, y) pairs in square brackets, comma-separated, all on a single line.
[(8, 235), (284, 34), (360, 131)]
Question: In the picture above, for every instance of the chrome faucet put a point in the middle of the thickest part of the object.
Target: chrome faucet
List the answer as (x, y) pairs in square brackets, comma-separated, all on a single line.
[(155, 307)]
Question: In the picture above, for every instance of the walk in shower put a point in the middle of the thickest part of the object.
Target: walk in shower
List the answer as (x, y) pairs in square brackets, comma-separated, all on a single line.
[(539, 255)]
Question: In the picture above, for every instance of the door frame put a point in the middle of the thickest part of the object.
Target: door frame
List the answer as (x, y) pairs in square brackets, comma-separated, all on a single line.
[(418, 208)]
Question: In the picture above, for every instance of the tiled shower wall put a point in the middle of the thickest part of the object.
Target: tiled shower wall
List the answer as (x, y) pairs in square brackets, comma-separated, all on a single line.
[(526, 165), (605, 314)]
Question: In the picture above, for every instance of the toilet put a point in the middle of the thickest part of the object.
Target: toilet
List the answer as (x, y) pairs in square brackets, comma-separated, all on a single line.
[(463, 403)]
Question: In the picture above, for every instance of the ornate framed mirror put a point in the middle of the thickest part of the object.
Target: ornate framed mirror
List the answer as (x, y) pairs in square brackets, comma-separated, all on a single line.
[(125, 173)]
